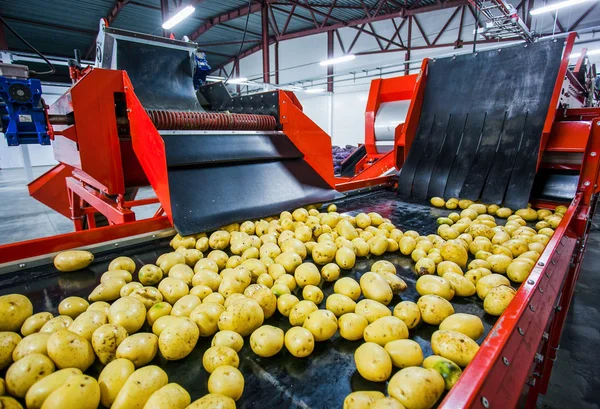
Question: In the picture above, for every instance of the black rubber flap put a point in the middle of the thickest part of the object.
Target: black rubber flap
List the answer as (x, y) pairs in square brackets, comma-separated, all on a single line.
[(481, 125), (217, 179), (349, 164), (555, 185), (161, 76)]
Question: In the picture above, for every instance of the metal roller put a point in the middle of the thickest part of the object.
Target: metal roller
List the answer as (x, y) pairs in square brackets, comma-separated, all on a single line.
[(389, 116), (183, 120)]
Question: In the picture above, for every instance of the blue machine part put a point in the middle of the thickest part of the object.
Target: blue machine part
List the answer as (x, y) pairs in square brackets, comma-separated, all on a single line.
[(23, 115), (202, 69)]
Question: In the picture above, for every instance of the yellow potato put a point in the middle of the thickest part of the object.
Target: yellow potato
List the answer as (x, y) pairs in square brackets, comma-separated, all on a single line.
[(7, 402), (461, 285), (178, 339), (88, 322), (21, 375), (227, 381), (300, 311), (206, 264), (445, 367), (56, 324), (215, 357), (432, 284), (73, 260), (468, 324), (499, 263), (112, 378), (14, 310), (182, 272), (128, 312), (266, 341), (340, 304), (139, 348), (69, 350), (497, 299), (122, 274), (39, 391), (213, 401), (434, 309), (78, 391), (214, 298), (160, 309), (330, 272), (373, 362), (362, 400), (150, 274), (128, 288), (375, 287), (34, 323), (345, 258), (285, 304), (185, 305), (299, 342), (229, 339), (322, 324), (2, 387), (416, 388), (31, 344), (72, 306), (371, 310), (109, 290), (485, 284), (378, 244), (206, 316), (438, 202), (291, 260), (361, 246), (453, 251), (8, 343), (397, 284), (219, 240), (454, 345), (386, 329), (404, 353), (139, 387), (122, 263), (352, 326), (170, 396), (243, 317), (408, 312), (105, 341), (288, 280), (348, 287), (518, 271), (448, 266)]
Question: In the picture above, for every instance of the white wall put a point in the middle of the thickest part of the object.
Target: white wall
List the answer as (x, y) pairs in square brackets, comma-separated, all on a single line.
[(11, 156), (345, 122)]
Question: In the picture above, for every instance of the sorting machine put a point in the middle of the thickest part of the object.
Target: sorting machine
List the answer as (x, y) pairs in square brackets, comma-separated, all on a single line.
[(508, 125)]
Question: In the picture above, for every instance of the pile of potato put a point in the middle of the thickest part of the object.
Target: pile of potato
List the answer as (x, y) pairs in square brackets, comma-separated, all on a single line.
[(225, 285)]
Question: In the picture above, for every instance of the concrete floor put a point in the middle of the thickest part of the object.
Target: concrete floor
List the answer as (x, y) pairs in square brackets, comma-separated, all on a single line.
[(575, 382)]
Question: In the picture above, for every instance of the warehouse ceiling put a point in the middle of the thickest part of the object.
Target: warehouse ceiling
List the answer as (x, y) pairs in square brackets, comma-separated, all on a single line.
[(58, 27)]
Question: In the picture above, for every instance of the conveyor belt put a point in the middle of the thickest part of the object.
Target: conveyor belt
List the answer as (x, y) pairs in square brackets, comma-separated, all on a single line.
[(320, 381), (481, 123)]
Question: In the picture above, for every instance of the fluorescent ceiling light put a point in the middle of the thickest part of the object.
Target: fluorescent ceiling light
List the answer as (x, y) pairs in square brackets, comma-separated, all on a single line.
[(179, 17), (240, 80), (588, 53), (315, 90), (338, 60), (556, 6)]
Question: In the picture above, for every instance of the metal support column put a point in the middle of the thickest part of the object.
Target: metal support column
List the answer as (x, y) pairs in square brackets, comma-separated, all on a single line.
[(330, 35), (276, 58), (236, 65), (408, 45), (26, 162), (164, 14), (265, 41)]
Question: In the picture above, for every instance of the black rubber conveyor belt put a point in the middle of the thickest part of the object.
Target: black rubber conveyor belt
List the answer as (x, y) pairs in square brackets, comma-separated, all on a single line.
[(481, 124)]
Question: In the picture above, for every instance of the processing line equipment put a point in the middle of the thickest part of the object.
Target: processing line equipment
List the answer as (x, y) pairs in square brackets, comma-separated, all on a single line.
[(507, 125)]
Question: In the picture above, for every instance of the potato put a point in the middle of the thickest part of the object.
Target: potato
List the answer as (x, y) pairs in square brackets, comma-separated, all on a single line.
[(289, 260), (434, 309), (168, 260), (385, 329), (323, 252), (160, 309), (461, 285), (39, 391), (6, 402), (455, 346), (128, 288), (445, 367), (416, 388), (266, 341), (69, 350), (243, 317), (340, 304), (148, 295), (235, 282), (404, 353), (122, 274), (109, 290), (219, 240), (497, 299), (139, 348), (227, 381), (348, 287), (139, 387), (73, 260), (285, 303), (265, 298), (307, 274), (206, 316), (78, 392), (408, 312), (34, 323), (518, 270), (182, 272), (170, 396), (213, 401), (229, 339), (485, 284), (373, 362), (112, 378), (468, 324), (448, 266), (371, 310), (31, 344), (21, 375), (128, 312), (352, 326), (72, 306), (86, 323), (299, 342), (105, 341), (288, 280), (215, 357), (214, 298), (150, 274), (178, 339), (14, 310), (185, 305), (322, 324), (8, 344), (362, 400), (2, 387), (56, 324), (432, 284), (375, 287)]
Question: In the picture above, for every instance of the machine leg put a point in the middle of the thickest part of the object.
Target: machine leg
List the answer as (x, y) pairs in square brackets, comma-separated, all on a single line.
[(26, 162)]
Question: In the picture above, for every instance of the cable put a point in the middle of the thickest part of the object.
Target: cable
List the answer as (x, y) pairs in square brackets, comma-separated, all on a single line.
[(237, 58), (52, 69)]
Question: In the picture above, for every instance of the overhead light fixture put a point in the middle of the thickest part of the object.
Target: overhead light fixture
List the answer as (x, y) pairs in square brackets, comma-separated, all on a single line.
[(315, 90), (588, 53), (343, 58), (239, 80), (556, 6), (179, 17)]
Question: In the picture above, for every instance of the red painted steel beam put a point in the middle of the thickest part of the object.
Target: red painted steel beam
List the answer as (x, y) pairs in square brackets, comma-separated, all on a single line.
[(445, 26), (223, 18), (421, 30), (265, 43)]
